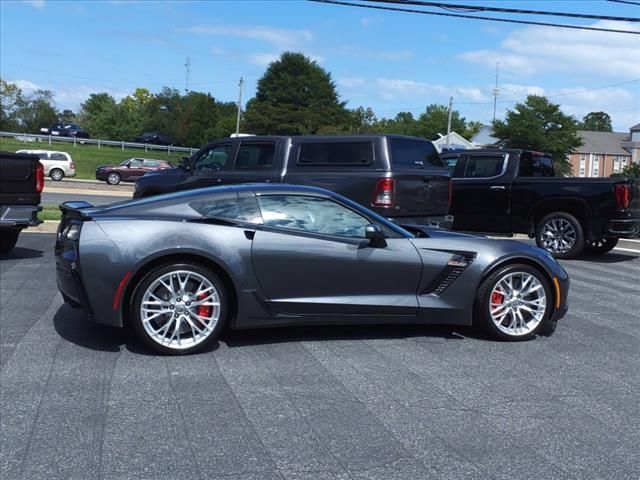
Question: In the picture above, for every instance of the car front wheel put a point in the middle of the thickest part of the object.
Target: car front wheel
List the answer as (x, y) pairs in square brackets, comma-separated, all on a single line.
[(179, 309), (113, 178), (600, 246), (56, 174), (515, 303)]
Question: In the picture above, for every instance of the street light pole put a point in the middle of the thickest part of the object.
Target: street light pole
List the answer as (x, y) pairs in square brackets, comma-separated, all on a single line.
[(239, 105)]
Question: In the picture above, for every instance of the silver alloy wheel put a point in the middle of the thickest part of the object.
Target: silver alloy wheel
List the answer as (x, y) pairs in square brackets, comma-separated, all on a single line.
[(113, 179), (57, 175), (517, 304), (180, 309), (558, 235)]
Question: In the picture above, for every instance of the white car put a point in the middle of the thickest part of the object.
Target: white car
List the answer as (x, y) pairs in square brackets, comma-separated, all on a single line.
[(57, 165)]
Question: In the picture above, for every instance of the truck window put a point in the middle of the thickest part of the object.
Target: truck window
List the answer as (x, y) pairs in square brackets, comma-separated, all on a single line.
[(336, 153), (450, 163), (484, 166), (255, 156), (414, 154), (532, 165), (213, 159)]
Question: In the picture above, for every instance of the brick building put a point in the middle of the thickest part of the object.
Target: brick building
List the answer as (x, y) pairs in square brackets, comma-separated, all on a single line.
[(604, 153)]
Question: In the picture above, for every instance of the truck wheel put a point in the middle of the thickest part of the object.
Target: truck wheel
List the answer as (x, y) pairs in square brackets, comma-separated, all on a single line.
[(560, 234), (8, 239), (56, 174), (600, 246), (113, 178)]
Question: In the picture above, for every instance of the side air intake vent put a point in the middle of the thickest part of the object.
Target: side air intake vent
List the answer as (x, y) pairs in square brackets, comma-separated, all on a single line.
[(458, 263)]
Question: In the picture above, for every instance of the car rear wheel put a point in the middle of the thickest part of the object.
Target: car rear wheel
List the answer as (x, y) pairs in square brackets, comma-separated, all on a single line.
[(600, 246), (515, 303), (8, 239), (179, 308), (561, 235), (113, 178), (56, 174)]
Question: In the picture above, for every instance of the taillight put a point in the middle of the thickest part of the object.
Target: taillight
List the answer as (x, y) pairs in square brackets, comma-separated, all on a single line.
[(623, 195), (39, 177), (72, 166), (383, 194)]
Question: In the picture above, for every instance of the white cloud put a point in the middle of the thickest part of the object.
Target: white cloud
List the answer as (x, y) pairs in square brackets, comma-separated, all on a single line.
[(217, 51), (361, 52), (371, 21), (351, 82), (39, 4), (69, 97), (278, 37), (536, 50)]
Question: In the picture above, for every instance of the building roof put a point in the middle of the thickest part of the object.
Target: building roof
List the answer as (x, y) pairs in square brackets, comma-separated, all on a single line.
[(455, 142), (635, 128), (603, 142), (485, 137)]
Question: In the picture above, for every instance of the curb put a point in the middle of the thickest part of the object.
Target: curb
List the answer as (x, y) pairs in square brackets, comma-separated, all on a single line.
[(82, 191), (49, 226)]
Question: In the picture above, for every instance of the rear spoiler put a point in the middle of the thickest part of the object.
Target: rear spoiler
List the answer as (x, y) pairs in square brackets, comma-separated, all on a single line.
[(74, 210)]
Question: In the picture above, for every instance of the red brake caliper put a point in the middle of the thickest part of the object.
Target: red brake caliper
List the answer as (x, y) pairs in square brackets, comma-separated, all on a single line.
[(204, 310), (497, 298)]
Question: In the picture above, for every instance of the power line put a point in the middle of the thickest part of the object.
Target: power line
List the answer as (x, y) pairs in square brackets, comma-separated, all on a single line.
[(629, 2), (474, 8), (473, 17)]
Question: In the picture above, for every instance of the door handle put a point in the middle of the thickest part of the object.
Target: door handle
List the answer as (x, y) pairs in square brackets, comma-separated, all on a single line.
[(497, 187), (219, 180)]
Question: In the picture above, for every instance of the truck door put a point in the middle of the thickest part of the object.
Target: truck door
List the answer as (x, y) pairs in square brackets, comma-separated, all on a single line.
[(256, 162), (481, 194), (212, 166)]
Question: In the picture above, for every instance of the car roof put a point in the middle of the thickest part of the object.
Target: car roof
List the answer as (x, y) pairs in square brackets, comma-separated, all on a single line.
[(40, 151), (316, 138)]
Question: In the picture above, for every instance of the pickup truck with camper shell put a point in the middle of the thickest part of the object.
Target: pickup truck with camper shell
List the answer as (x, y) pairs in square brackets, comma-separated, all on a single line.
[(399, 177), (517, 191), (21, 183)]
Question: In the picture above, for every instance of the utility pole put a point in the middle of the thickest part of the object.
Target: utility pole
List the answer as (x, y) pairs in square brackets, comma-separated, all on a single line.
[(449, 120), (239, 105), (188, 68), (496, 92)]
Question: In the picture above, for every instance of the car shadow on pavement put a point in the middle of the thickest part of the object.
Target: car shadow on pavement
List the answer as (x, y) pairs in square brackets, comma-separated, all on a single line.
[(73, 325), (21, 253), (242, 338)]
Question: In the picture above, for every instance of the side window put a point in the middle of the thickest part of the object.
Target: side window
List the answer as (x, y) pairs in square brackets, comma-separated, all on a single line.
[(311, 214), (213, 159), (256, 156), (336, 153), (232, 207), (57, 156), (151, 163), (450, 163), (484, 166), (535, 166), (135, 163)]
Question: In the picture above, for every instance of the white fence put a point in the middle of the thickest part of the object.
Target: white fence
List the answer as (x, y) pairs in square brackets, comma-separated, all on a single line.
[(28, 137)]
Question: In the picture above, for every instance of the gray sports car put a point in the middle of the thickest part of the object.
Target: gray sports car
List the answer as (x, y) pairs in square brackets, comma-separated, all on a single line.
[(178, 267)]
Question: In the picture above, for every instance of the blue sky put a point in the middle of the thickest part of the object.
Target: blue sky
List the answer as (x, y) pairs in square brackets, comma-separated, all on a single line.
[(390, 61)]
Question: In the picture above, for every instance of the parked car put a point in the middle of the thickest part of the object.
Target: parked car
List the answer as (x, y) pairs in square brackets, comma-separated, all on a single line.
[(63, 129), (130, 170), (21, 183), (179, 267), (401, 178), (516, 191), (57, 165), (155, 138)]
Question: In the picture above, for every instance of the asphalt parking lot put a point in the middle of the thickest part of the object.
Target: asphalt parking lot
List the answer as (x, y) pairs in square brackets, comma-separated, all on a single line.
[(82, 401)]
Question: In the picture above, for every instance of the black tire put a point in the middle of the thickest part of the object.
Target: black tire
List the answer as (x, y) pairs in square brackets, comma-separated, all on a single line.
[(56, 174), (600, 246), (204, 343), (8, 239), (483, 304), (560, 234), (113, 178)]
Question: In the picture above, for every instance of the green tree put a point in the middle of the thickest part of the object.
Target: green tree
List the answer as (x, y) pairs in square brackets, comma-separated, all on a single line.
[(596, 122), (100, 115), (67, 116), (434, 121), (10, 101), (36, 110), (403, 123), (294, 96), (472, 128), (538, 124), (632, 170)]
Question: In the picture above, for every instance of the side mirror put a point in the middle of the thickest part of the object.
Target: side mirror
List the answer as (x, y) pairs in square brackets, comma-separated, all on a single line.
[(185, 162), (375, 236), (128, 165)]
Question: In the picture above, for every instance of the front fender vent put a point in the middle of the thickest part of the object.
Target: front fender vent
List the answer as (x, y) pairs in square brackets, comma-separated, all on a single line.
[(457, 264)]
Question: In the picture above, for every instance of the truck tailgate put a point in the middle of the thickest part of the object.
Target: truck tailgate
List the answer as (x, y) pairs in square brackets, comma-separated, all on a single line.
[(420, 194), (18, 179)]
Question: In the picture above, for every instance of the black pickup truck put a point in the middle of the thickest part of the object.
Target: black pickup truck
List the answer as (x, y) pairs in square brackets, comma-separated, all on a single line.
[(21, 183), (516, 191), (401, 178)]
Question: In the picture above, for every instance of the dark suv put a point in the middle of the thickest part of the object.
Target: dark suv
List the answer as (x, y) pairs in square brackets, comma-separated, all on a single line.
[(399, 177)]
